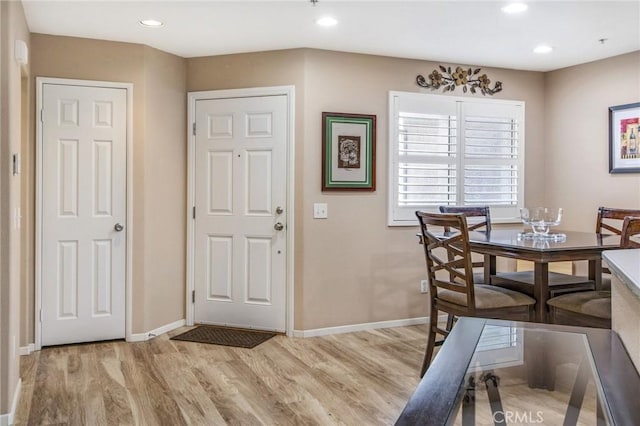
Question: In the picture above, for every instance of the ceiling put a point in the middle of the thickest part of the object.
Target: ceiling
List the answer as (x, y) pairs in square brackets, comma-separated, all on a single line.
[(453, 32)]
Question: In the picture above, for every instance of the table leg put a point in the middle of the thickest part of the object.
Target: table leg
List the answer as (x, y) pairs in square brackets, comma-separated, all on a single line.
[(469, 403), (539, 360), (489, 267), (577, 394), (541, 290), (595, 272), (497, 412)]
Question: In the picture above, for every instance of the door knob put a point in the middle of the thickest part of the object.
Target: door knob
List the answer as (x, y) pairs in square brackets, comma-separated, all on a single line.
[(278, 226), (279, 210), (118, 227)]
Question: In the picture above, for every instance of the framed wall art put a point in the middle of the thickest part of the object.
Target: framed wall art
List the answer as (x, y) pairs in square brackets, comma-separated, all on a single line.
[(348, 152), (624, 138)]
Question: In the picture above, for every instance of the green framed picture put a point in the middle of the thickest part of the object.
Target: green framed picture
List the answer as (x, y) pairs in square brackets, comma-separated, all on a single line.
[(348, 152)]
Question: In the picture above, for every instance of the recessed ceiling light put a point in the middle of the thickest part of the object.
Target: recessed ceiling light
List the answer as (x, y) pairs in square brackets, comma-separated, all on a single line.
[(152, 23), (542, 49), (327, 21), (515, 8)]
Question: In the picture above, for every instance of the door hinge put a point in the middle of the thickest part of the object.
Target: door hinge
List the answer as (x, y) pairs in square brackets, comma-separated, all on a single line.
[(193, 296), (40, 315), (42, 116), (194, 212), (194, 128)]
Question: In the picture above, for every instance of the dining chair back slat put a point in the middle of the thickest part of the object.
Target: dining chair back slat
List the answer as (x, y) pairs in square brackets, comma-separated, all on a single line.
[(630, 229), (453, 240), (611, 219), (472, 213), (477, 218)]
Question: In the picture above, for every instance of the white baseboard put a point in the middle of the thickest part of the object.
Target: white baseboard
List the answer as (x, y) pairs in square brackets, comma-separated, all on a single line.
[(8, 419), (359, 327), (26, 350), (143, 337)]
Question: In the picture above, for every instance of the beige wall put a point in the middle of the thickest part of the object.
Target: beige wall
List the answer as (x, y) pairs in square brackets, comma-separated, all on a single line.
[(165, 189), (356, 269), (352, 268), (159, 162), (577, 138), (12, 27)]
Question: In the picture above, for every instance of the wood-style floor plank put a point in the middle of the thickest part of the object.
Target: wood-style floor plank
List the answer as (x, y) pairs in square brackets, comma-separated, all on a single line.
[(355, 378)]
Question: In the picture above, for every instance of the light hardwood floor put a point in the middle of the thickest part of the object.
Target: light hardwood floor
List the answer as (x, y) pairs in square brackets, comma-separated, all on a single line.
[(362, 378), (356, 378)]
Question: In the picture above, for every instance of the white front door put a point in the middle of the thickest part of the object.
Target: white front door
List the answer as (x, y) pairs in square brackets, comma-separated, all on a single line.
[(240, 200), (83, 213)]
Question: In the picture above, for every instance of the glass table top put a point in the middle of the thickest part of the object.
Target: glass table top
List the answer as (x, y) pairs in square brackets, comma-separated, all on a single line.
[(571, 240), (530, 376), (494, 372)]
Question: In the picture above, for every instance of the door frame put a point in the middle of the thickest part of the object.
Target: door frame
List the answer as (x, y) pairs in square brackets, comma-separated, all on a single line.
[(40, 82), (289, 92)]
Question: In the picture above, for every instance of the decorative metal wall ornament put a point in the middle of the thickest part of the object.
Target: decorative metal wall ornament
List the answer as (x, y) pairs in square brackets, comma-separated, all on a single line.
[(459, 77)]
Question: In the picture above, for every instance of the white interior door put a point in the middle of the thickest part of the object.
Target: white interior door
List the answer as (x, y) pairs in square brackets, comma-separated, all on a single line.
[(83, 213), (240, 200)]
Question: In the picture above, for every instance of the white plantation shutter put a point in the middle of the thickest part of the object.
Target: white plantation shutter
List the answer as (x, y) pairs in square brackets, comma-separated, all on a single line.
[(447, 150), (427, 159)]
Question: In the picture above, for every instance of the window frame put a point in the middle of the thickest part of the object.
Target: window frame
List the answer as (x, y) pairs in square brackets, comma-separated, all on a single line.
[(499, 214)]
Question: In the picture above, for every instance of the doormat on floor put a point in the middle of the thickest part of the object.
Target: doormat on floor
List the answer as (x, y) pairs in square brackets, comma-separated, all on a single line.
[(225, 336)]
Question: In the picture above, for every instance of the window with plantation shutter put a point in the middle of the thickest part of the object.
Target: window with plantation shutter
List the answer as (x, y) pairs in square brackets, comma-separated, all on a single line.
[(448, 150)]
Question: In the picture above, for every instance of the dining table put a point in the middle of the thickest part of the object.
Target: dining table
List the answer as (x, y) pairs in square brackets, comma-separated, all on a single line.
[(504, 372), (575, 246)]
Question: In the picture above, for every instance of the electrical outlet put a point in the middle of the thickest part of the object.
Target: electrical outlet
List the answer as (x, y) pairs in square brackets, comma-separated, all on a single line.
[(424, 286)]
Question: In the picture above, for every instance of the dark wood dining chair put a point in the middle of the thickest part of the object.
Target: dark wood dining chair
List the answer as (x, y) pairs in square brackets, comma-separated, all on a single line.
[(451, 286), (592, 308), (480, 216), (610, 221), (477, 219)]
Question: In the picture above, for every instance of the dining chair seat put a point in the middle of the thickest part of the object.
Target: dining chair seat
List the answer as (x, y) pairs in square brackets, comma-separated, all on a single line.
[(587, 308), (488, 297), (592, 308), (594, 303)]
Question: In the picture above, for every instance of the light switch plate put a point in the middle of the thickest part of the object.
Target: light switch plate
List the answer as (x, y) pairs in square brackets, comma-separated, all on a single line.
[(320, 211)]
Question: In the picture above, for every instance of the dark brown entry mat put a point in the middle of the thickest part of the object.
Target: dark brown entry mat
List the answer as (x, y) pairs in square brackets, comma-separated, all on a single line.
[(225, 336)]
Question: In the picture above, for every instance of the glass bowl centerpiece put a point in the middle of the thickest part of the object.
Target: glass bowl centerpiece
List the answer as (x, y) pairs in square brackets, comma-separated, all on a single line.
[(541, 220)]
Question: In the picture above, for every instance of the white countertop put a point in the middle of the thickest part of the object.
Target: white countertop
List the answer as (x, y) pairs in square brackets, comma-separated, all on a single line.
[(626, 265)]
